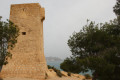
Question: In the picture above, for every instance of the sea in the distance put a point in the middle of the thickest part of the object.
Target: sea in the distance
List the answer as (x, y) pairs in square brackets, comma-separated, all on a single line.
[(56, 64)]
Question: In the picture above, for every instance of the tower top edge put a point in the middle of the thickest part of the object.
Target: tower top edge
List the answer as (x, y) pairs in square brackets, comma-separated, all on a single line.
[(25, 4)]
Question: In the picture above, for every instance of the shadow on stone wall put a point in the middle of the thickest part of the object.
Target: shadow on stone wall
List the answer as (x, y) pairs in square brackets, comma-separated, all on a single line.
[(1, 79)]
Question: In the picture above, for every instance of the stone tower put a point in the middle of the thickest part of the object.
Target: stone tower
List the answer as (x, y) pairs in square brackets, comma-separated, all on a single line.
[(28, 58)]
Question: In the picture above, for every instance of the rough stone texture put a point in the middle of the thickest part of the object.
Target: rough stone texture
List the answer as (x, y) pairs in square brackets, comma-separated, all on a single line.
[(28, 59), (78, 76), (65, 78), (64, 73), (51, 74)]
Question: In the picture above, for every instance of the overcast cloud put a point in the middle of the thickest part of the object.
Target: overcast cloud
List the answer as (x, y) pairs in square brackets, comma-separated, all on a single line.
[(63, 17)]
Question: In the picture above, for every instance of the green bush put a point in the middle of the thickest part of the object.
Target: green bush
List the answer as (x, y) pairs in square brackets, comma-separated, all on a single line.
[(69, 73), (50, 67), (87, 76), (58, 72)]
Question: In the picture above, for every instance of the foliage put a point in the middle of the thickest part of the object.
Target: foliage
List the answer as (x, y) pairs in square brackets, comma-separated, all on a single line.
[(50, 67), (56, 70), (8, 37), (69, 73), (96, 47), (117, 8)]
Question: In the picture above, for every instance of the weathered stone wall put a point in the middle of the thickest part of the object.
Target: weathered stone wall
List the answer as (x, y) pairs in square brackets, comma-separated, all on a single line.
[(28, 55)]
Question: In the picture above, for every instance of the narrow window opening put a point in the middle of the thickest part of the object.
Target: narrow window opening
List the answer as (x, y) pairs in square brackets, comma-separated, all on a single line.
[(24, 9), (23, 33)]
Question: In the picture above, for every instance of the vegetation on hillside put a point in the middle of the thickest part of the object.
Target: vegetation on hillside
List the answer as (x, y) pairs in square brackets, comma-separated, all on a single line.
[(97, 48)]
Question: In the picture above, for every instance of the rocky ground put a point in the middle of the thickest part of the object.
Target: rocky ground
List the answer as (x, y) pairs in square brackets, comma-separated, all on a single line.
[(17, 79), (65, 78), (56, 78), (52, 75)]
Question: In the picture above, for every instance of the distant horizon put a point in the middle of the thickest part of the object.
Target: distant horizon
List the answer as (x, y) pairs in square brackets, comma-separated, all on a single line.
[(53, 57)]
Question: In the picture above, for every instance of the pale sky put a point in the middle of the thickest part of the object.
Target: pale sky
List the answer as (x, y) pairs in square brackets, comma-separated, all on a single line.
[(63, 17)]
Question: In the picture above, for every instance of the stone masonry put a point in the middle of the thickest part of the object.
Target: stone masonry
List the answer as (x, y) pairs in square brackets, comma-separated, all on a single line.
[(28, 60)]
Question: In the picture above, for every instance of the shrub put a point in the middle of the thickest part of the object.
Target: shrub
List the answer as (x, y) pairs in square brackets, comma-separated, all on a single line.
[(58, 72), (69, 73), (50, 67)]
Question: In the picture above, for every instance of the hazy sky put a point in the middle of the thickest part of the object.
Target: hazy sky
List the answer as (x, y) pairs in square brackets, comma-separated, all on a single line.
[(63, 17)]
